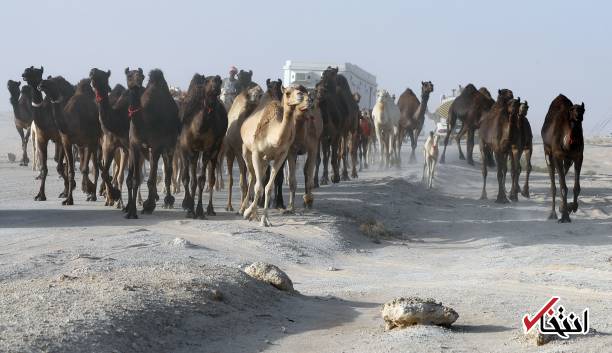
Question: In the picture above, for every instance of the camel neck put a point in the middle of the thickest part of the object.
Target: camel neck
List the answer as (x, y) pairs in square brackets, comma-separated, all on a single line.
[(420, 113)]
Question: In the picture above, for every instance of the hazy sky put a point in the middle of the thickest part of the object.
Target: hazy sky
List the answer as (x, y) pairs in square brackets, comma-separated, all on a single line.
[(536, 48)]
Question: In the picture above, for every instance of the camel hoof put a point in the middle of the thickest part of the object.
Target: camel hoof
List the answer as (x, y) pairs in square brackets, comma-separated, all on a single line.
[(169, 202), (63, 195), (289, 211), (443, 159), (229, 208), (187, 204), (279, 205), (68, 202), (565, 219), (335, 179), (514, 197), (354, 175), (462, 157), (265, 222), (324, 181), (553, 216), (131, 215), (92, 198), (502, 200), (40, 197), (345, 176), (190, 214), (525, 192), (148, 206), (119, 205), (210, 211), (573, 207), (470, 162)]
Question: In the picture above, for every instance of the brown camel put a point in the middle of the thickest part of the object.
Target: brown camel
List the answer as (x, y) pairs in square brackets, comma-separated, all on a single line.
[(308, 131), (527, 144), (21, 101), (332, 131), (348, 109), (243, 106), (204, 122), (115, 126), (468, 107), (412, 117), (155, 125), (496, 136), (78, 125), (46, 130), (366, 132), (563, 146), (267, 135)]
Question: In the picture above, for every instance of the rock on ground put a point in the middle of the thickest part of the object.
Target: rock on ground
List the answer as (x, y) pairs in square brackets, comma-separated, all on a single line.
[(401, 312), (270, 274)]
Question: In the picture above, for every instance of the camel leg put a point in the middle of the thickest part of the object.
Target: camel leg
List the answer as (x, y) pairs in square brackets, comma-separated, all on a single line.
[(309, 177), (525, 191), (382, 148), (188, 202), (276, 165), (502, 162), (514, 173), (133, 180), (279, 202), (432, 170), (168, 174), (425, 161), (326, 146), (257, 168), (344, 155), (230, 179), (573, 207), (413, 145), (451, 126), (201, 186), (249, 187), (112, 194), (563, 188), (291, 166), (149, 205), (213, 172), (353, 150), (67, 149), (42, 150), (23, 147), (460, 134), (469, 149), (316, 167), (553, 188), (61, 169), (120, 175), (335, 160), (483, 195)]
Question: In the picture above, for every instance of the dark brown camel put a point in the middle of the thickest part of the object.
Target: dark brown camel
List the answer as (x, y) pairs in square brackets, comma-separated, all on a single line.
[(563, 146), (348, 109), (115, 125), (366, 132), (332, 131), (527, 144), (155, 125), (78, 125), (468, 107), (412, 117), (204, 122), (496, 136), (47, 130), (522, 138), (21, 101)]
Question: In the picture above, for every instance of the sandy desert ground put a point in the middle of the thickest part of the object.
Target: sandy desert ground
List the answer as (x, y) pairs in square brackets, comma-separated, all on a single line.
[(84, 279)]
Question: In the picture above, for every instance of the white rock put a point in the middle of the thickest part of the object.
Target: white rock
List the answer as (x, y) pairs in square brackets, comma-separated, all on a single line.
[(270, 274), (402, 312), (180, 243)]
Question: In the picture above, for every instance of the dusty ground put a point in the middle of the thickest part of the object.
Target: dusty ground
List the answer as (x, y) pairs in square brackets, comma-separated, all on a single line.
[(83, 278)]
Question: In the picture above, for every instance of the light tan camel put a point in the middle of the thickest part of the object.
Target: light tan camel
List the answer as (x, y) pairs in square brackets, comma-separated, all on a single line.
[(242, 107), (308, 131), (267, 135)]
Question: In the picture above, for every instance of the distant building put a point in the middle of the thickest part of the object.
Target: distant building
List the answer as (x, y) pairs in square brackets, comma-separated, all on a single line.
[(308, 74)]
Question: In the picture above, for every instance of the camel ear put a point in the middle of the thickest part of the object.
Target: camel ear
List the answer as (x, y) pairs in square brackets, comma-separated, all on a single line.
[(582, 105), (280, 82), (140, 70), (268, 82), (108, 73), (499, 91), (218, 79), (423, 83), (251, 73), (49, 77), (127, 69), (18, 83), (42, 69)]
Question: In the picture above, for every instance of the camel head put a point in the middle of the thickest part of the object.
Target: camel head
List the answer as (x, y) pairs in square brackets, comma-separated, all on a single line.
[(32, 76), (212, 88), (275, 88), (504, 95), (426, 87), (254, 94), (296, 97), (14, 90), (50, 88), (513, 107), (328, 78), (244, 79), (523, 109), (99, 82), (577, 113), (382, 95), (134, 77)]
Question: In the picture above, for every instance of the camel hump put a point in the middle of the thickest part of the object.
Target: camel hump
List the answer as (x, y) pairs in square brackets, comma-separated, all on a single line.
[(408, 93), (469, 89), (271, 111)]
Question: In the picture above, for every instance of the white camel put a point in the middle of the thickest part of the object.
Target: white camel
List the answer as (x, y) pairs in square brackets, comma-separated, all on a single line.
[(430, 152), (386, 116)]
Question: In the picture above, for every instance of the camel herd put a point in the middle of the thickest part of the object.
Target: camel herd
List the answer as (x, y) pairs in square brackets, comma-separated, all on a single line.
[(195, 131)]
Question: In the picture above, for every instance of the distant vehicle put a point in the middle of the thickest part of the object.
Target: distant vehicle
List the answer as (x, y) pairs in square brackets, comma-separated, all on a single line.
[(441, 127)]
